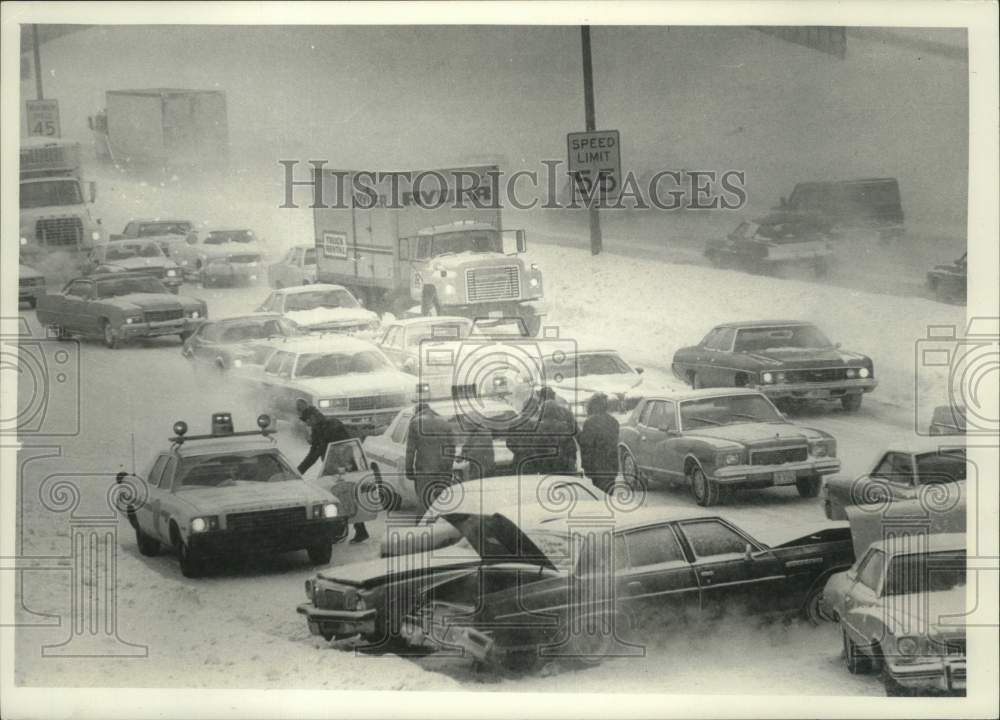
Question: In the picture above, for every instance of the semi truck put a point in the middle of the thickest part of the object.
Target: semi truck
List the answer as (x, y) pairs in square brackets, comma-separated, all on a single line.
[(57, 226), (162, 128), (442, 250)]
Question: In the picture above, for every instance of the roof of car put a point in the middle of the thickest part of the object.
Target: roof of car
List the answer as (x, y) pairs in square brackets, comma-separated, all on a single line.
[(584, 351), (160, 220), (690, 394), (918, 444), (299, 289), (761, 323), (141, 272), (223, 444), (227, 230), (931, 542), (247, 316), (333, 342), (442, 319), (446, 407), (129, 241)]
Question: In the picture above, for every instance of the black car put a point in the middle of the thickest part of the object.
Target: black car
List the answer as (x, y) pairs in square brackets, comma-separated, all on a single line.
[(238, 342), (522, 579), (949, 282), (787, 360), (776, 241)]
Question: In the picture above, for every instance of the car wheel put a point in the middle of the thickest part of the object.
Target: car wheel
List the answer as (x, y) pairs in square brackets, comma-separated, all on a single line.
[(812, 608), (111, 339), (147, 545), (630, 469), (192, 565), (893, 688), (321, 554), (857, 662), (705, 490), (809, 487), (589, 649), (852, 402)]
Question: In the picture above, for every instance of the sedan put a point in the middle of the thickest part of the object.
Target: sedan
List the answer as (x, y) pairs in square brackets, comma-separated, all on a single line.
[(238, 342)]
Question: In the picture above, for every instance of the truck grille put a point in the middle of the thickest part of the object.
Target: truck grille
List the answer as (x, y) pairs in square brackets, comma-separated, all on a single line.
[(31, 282), (244, 259), (778, 456), (59, 231), (483, 284), (816, 375), (376, 402), (163, 315), (955, 647), (264, 520)]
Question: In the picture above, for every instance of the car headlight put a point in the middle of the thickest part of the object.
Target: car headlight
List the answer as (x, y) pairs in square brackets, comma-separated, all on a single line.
[(818, 448), (767, 377), (95, 236), (851, 372), (330, 510), (449, 289), (863, 373), (24, 241), (310, 590), (779, 377), (131, 320), (333, 404), (908, 645), (171, 273), (360, 604), (194, 315), (499, 381), (728, 458), (533, 282), (202, 524)]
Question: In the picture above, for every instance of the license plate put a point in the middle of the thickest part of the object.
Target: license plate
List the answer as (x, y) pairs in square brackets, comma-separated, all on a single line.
[(818, 394), (784, 477)]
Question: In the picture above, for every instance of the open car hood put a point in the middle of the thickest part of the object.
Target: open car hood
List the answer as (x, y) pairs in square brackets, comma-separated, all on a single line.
[(495, 537)]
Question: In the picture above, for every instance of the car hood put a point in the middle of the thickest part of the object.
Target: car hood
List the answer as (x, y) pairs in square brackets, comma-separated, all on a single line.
[(358, 384), (496, 537), (747, 433), (331, 317), (225, 249), (152, 301), (469, 260), (254, 495), (806, 357), (587, 385), (138, 263), (26, 271), (378, 571), (941, 613)]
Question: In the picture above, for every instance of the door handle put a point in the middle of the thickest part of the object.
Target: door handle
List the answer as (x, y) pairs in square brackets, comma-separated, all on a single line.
[(642, 437), (634, 587), (707, 573)]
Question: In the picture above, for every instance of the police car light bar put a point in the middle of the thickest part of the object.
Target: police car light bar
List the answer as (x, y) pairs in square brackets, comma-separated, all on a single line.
[(222, 426)]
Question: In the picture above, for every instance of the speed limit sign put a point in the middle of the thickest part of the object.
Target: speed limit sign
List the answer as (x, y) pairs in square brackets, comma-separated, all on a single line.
[(43, 118)]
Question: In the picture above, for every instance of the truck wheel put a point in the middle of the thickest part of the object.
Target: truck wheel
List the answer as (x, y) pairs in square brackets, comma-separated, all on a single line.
[(111, 338), (147, 545), (809, 487), (852, 402), (320, 554), (429, 304), (705, 490)]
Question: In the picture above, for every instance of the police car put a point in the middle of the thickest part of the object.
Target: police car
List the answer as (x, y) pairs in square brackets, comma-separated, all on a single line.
[(229, 493)]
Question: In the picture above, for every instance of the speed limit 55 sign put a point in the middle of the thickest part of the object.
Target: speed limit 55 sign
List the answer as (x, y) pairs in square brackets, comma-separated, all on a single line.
[(43, 118), (595, 159)]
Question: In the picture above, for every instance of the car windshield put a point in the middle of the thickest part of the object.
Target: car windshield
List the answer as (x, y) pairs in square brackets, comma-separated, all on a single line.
[(499, 327), (585, 364), (441, 331), (164, 228), (938, 467), (318, 365), (258, 466), (127, 286), (319, 299), (561, 549), (50, 192), (310, 258), (257, 329), (784, 337), (477, 241), (221, 237), (925, 572), (124, 252), (727, 410)]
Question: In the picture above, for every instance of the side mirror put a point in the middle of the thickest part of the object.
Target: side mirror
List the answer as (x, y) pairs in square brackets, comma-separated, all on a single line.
[(93, 190), (640, 371), (521, 242), (748, 553)]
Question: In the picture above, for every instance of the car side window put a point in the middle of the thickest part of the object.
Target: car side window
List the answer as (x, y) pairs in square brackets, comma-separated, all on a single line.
[(287, 363), (647, 412), (154, 475), (721, 339), (662, 416), (870, 571), (711, 538), (274, 363), (166, 479), (396, 338), (401, 429), (902, 469), (653, 546), (884, 467), (82, 289)]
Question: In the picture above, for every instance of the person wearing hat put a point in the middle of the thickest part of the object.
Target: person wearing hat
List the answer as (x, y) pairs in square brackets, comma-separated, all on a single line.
[(324, 430), (599, 444), (430, 454)]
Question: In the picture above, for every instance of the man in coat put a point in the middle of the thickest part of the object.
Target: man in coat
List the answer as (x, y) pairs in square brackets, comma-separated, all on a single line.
[(544, 443), (430, 454), (599, 444)]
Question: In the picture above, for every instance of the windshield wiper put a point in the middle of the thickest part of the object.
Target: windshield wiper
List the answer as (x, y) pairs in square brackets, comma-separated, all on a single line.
[(706, 421)]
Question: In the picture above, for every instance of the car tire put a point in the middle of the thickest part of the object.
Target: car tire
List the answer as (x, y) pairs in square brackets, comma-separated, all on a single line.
[(148, 546), (320, 554), (857, 662), (893, 688), (192, 565), (705, 490), (590, 649), (630, 469), (852, 402), (809, 487), (111, 339), (812, 607)]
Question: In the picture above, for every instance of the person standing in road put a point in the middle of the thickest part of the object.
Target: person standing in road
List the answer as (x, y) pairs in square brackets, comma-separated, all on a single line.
[(599, 444), (324, 430), (430, 454), (545, 441)]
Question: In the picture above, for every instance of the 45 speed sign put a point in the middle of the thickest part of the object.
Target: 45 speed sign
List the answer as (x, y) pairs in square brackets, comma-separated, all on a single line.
[(595, 160), (43, 118)]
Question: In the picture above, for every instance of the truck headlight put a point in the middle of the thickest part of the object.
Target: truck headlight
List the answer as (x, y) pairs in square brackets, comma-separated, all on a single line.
[(95, 236), (767, 377), (449, 289), (908, 645), (194, 315), (533, 282), (863, 373), (171, 273), (728, 458), (330, 510)]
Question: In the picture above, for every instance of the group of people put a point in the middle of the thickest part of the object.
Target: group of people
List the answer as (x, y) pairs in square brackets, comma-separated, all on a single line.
[(544, 441)]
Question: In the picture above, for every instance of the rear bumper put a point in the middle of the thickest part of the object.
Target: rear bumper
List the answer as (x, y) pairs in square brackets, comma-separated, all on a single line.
[(272, 540), (337, 622), (944, 674), (769, 475), (819, 390), (153, 329)]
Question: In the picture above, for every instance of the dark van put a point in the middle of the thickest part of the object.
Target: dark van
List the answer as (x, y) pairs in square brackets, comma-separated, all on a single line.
[(871, 203)]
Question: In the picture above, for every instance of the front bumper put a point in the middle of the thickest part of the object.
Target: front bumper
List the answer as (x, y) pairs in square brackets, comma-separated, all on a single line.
[(30, 292), (946, 674), (337, 622), (817, 391), (154, 329), (270, 540), (471, 641), (759, 476)]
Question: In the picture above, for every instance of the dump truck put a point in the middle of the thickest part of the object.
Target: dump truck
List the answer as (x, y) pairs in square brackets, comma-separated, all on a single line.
[(57, 225), (162, 128), (433, 248)]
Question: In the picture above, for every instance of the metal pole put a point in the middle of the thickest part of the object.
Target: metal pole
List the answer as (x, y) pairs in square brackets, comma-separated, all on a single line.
[(38, 62), (596, 241)]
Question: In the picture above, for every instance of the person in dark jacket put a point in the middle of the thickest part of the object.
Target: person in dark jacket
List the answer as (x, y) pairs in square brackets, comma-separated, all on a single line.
[(324, 430), (599, 444), (477, 450), (430, 454), (544, 443)]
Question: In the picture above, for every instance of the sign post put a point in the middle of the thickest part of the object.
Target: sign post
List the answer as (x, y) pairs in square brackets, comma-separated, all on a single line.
[(43, 118)]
